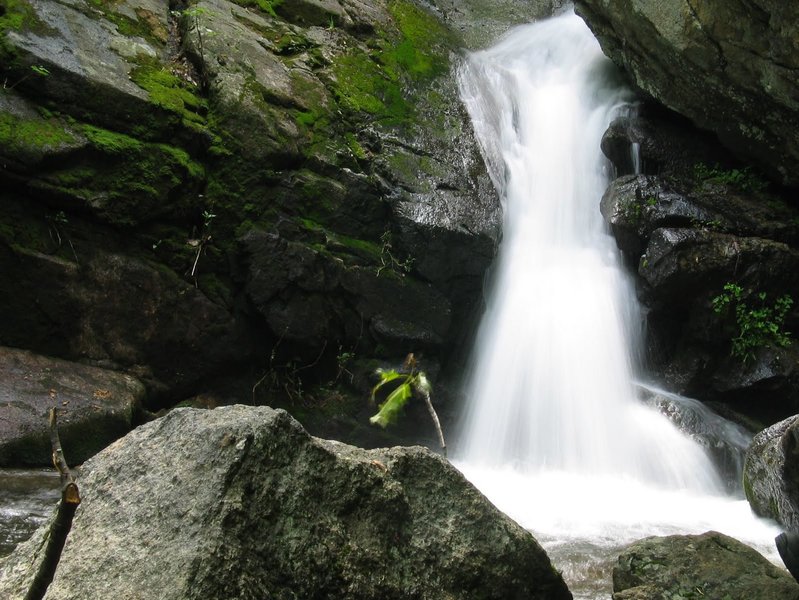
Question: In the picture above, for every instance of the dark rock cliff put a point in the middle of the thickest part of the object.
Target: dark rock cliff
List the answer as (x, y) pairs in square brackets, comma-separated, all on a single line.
[(732, 67), (279, 192), (713, 240)]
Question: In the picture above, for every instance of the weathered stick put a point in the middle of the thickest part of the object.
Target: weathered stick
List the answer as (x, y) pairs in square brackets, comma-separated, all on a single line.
[(59, 528), (434, 416)]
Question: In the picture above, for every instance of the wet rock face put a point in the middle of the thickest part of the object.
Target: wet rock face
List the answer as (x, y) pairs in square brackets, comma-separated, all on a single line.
[(95, 407), (711, 565), (692, 222), (147, 155), (729, 67), (241, 502), (771, 473)]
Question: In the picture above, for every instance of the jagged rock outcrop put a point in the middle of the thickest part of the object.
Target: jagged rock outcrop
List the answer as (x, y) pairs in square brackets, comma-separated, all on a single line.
[(693, 222), (731, 67), (711, 565), (147, 155), (241, 502), (95, 407), (771, 473)]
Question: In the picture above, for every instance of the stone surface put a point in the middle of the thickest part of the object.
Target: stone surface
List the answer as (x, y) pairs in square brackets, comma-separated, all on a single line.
[(241, 502), (771, 473), (133, 173), (711, 565), (731, 67), (95, 407)]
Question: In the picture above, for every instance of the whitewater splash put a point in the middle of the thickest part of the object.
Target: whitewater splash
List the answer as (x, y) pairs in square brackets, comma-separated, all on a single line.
[(553, 432)]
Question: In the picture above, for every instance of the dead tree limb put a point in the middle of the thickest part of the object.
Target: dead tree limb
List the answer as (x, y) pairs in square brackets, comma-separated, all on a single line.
[(61, 524)]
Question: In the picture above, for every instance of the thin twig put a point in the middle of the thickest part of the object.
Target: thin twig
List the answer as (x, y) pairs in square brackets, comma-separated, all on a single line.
[(437, 423)]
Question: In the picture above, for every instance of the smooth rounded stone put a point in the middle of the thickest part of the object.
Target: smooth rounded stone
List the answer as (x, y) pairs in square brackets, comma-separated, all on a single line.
[(711, 565), (771, 473), (240, 502), (95, 407)]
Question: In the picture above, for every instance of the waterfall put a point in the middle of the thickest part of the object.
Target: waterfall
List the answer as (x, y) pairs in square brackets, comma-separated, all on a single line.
[(553, 431), (552, 384)]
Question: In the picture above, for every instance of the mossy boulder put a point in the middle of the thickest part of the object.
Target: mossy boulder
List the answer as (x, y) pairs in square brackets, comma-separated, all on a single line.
[(771, 473), (692, 567)]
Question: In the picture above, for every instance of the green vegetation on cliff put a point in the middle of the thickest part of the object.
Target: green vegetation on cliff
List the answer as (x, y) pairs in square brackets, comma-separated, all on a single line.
[(759, 323)]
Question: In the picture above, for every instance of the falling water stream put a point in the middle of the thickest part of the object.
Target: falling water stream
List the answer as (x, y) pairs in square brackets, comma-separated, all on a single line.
[(553, 432)]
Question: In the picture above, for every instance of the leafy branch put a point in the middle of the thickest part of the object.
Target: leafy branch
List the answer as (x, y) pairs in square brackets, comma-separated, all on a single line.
[(409, 382), (760, 324)]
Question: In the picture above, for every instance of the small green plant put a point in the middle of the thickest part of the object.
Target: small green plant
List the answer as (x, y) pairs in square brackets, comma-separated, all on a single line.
[(743, 179), (195, 14), (56, 223), (633, 210), (37, 70), (343, 360), (408, 382), (760, 324), (391, 262), (201, 242), (712, 225)]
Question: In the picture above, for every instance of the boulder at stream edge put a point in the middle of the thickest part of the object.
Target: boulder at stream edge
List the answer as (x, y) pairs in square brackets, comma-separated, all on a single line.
[(711, 565), (240, 502), (95, 407), (771, 473)]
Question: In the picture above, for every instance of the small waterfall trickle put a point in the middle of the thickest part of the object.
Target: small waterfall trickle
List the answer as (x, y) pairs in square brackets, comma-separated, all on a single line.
[(553, 431)]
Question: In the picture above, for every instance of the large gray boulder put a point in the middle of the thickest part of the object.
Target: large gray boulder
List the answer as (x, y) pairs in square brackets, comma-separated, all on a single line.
[(728, 66), (95, 407), (241, 502), (771, 473), (711, 565)]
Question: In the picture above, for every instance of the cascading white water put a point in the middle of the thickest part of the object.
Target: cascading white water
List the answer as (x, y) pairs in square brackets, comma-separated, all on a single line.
[(553, 432), (552, 385)]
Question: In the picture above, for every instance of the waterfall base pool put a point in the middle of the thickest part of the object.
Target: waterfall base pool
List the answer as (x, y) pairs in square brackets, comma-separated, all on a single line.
[(27, 498), (584, 521)]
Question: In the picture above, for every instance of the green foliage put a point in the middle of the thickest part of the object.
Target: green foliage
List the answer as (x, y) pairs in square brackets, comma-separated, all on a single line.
[(633, 210), (171, 93), (760, 323), (742, 179), (407, 384), (382, 81), (390, 262), (267, 6)]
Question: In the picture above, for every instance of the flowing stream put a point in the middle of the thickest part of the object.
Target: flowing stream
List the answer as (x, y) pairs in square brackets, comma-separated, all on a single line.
[(553, 432)]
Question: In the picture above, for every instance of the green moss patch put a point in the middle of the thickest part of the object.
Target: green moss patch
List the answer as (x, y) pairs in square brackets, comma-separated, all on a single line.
[(125, 180), (172, 93), (383, 80), (26, 136), (266, 6)]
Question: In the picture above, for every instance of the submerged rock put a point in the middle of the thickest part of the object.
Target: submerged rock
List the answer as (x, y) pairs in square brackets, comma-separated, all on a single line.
[(241, 502), (95, 407), (711, 565), (771, 473)]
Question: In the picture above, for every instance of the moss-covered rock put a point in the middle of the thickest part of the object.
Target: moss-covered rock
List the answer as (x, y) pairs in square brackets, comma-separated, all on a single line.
[(692, 567)]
